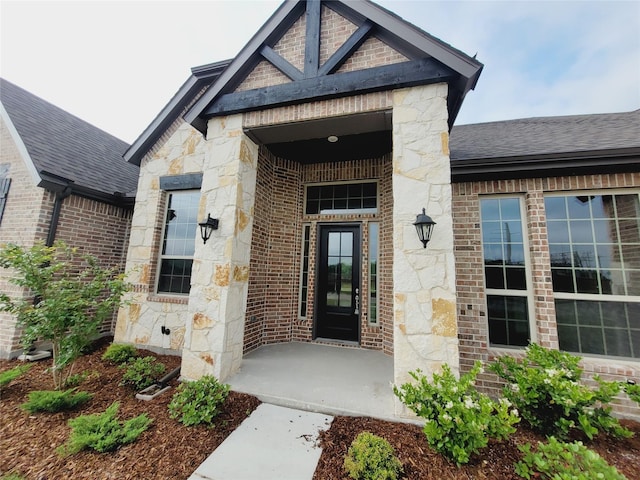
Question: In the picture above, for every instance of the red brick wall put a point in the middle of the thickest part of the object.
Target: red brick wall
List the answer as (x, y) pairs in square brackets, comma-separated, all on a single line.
[(472, 316)]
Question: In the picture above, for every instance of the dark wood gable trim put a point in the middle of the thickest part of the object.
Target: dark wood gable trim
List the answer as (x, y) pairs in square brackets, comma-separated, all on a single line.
[(346, 49), (399, 75), (312, 39), (429, 61)]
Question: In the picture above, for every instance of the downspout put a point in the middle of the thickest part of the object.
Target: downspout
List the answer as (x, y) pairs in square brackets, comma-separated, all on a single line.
[(55, 215)]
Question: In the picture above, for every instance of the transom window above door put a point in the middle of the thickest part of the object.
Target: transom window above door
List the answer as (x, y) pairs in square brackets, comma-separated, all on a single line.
[(342, 198)]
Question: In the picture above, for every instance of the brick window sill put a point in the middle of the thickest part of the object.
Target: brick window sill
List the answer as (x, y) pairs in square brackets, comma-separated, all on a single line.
[(168, 299)]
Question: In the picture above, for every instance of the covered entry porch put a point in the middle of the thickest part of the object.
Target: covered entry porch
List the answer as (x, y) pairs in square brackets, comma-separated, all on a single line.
[(319, 377)]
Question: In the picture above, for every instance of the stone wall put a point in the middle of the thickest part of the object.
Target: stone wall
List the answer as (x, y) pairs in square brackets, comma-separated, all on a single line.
[(142, 320), (425, 330), (471, 303)]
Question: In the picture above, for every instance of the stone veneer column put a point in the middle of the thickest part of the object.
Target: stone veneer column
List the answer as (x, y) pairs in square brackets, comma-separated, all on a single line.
[(219, 282), (425, 330)]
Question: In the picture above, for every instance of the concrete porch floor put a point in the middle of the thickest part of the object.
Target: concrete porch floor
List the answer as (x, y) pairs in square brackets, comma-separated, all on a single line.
[(320, 378)]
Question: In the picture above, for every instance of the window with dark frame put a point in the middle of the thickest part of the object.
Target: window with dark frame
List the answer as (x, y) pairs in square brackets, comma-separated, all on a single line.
[(342, 198), (178, 244)]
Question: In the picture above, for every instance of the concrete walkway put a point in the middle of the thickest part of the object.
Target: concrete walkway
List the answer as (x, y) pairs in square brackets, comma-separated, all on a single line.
[(319, 378), (272, 443)]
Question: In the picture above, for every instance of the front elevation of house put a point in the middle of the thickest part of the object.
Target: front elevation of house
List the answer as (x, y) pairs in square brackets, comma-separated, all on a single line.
[(315, 149)]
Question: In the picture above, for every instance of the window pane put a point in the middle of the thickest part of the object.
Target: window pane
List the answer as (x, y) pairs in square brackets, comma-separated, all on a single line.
[(373, 273), (603, 328), (180, 231), (555, 207), (508, 320), (602, 234), (502, 237), (341, 197), (304, 271)]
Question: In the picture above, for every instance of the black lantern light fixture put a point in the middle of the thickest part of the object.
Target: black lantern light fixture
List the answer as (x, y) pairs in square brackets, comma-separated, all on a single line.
[(424, 226), (207, 227)]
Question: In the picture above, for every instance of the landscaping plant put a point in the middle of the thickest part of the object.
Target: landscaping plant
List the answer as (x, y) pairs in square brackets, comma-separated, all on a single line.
[(141, 373), (633, 390), (564, 461), (199, 401), (119, 353), (459, 419), (103, 432), (372, 458), (545, 387), (10, 375), (68, 295), (55, 400)]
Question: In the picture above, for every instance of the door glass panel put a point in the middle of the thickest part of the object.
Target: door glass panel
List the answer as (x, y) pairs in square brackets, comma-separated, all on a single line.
[(339, 269)]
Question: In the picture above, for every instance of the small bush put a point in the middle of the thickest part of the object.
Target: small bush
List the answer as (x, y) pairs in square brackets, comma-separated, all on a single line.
[(77, 378), (545, 387), (633, 390), (459, 419), (372, 458), (53, 401), (564, 461), (12, 476), (103, 432), (199, 401), (10, 375), (141, 373), (119, 353)]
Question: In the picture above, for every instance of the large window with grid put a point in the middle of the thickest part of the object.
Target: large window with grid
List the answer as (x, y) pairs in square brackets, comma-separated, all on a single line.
[(506, 271), (178, 243), (594, 244)]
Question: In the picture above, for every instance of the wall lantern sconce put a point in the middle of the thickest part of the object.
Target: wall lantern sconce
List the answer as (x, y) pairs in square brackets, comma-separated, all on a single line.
[(207, 227), (424, 226)]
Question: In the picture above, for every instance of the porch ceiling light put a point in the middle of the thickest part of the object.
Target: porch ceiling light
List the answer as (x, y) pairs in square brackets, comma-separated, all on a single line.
[(207, 227), (424, 226), (332, 138)]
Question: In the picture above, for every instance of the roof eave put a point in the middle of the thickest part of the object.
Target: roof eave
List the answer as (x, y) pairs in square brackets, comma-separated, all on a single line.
[(199, 77), (546, 165)]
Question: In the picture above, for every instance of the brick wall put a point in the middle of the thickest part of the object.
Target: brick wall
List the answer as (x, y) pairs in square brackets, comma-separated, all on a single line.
[(471, 304), (273, 300), (97, 228), (24, 222)]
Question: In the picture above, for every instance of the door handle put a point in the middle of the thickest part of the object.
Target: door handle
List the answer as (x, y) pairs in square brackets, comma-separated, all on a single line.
[(357, 302)]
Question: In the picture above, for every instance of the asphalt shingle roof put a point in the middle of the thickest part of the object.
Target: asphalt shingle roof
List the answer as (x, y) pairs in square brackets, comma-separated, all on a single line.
[(63, 144), (545, 135)]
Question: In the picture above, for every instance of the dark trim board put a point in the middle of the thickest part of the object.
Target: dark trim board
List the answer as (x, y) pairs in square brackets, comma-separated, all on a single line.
[(406, 74)]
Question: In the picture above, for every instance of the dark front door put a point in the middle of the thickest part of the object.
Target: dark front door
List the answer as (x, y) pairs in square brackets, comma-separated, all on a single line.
[(338, 288)]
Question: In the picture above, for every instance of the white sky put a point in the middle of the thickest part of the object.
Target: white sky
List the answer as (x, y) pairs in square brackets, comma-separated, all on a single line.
[(116, 63)]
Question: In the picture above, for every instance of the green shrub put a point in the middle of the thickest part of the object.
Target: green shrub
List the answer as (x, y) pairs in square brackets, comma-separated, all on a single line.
[(199, 401), (10, 375), (372, 458), (75, 295), (119, 353), (633, 390), (141, 373), (11, 476), (103, 432), (545, 387), (77, 378), (55, 400), (459, 419), (564, 461)]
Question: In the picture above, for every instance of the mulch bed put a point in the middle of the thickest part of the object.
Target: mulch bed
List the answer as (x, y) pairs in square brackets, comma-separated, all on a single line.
[(421, 463), (169, 450)]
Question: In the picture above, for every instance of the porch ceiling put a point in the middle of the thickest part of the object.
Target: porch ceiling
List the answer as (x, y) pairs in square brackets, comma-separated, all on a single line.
[(360, 136)]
